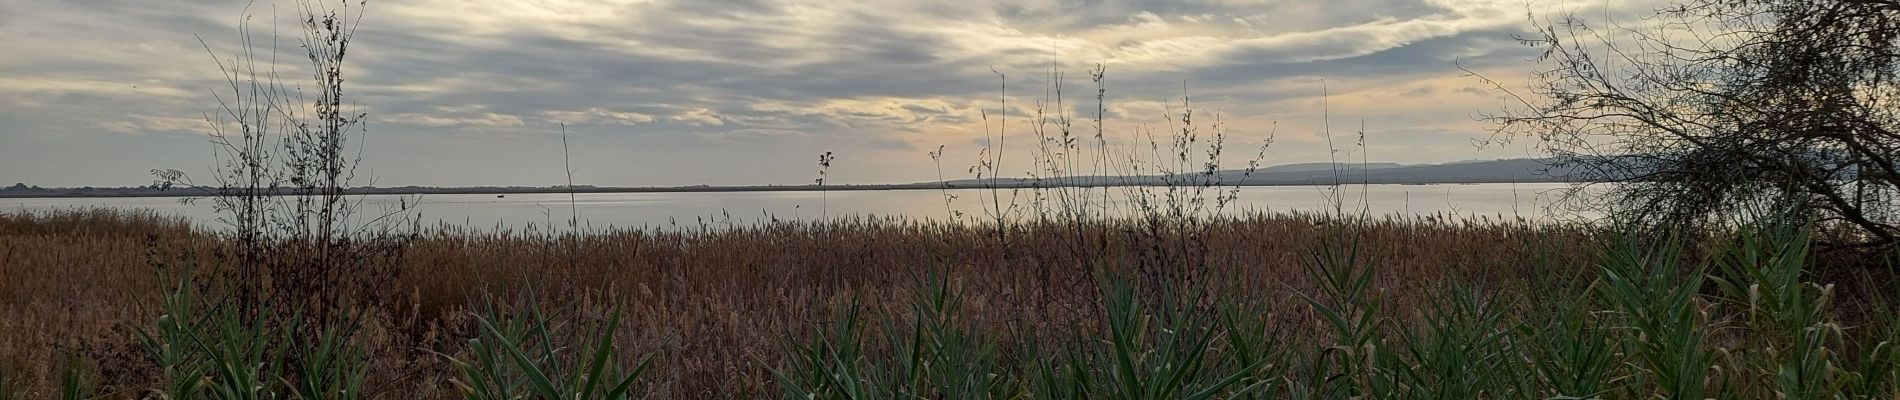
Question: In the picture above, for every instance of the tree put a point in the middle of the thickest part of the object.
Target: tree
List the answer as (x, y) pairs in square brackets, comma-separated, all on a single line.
[(1710, 107), (301, 246)]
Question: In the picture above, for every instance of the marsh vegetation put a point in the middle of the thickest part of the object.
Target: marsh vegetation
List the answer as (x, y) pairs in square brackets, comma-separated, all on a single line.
[(1754, 290)]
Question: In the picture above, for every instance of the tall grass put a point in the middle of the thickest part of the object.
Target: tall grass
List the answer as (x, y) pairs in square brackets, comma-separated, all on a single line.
[(937, 354), (1054, 298), (714, 307), (1647, 326), (1332, 309), (205, 346), (520, 354)]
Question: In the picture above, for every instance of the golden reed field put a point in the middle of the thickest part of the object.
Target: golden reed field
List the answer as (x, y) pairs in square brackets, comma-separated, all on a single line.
[(715, 307)]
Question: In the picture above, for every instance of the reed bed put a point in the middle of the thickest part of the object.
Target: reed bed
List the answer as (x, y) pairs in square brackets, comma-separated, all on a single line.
[(1254, 306)]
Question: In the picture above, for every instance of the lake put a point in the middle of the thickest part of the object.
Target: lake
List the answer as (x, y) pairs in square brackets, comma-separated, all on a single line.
[(1529, 201)]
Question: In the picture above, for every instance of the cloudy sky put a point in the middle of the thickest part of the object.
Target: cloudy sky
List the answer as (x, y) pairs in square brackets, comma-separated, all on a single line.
[(664, 92)]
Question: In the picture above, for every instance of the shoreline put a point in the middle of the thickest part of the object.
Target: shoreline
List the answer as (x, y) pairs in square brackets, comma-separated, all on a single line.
[(412, 190)]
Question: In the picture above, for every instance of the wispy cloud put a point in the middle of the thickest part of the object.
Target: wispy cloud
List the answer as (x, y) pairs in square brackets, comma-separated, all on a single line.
[(724, 86)]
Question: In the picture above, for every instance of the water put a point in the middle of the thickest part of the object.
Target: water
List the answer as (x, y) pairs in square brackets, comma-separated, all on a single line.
[(663, 210)]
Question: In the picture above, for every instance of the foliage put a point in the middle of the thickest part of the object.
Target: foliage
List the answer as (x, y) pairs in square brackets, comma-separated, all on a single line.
[(521, 354), (1709, 106)]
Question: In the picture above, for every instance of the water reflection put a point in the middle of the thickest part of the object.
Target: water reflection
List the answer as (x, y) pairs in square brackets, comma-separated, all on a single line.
[(1530, 202)]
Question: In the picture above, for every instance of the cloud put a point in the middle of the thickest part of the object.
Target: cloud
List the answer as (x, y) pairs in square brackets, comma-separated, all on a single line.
[(757, 134), (698, 116), (141, 124), (445, 120), (735, 82), (599, 116)]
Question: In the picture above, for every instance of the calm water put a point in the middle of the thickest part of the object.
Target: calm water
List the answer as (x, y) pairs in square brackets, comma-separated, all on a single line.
[(662, 210)]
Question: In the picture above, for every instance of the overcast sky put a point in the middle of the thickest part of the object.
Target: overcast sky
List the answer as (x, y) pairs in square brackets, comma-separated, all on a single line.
[(469, 92)]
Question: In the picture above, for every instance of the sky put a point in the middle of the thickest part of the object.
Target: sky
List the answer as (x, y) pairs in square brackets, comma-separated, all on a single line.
[(750, 92)]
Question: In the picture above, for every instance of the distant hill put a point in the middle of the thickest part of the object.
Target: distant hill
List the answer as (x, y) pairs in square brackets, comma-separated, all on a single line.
[(1327, 167), (1493, 171), (1485, 171)]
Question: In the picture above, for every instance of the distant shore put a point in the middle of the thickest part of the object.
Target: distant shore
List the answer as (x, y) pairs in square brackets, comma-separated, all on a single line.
[(507, 190), (1312, 174)]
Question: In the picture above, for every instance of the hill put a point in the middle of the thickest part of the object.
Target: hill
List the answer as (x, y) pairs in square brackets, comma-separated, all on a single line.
[(1485, 171)]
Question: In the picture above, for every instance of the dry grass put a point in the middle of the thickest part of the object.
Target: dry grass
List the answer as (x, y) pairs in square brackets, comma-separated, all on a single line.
[(716, 304)]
